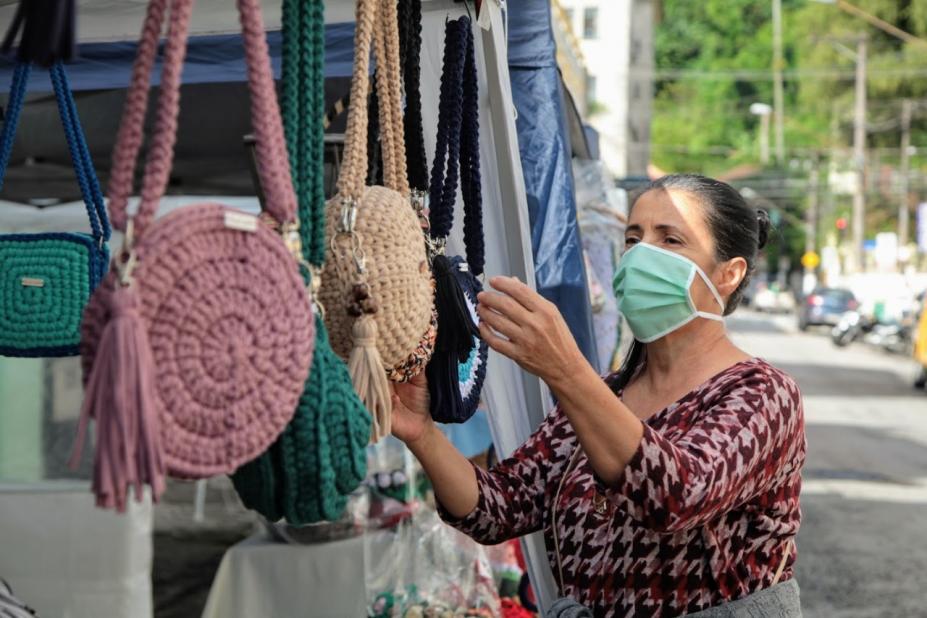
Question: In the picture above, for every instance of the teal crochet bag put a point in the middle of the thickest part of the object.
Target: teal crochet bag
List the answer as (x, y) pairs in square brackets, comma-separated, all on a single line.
[(46, 279), (321, 457)]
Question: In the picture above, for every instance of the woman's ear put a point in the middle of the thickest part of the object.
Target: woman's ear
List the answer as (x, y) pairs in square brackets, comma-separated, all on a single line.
[(729, 276)]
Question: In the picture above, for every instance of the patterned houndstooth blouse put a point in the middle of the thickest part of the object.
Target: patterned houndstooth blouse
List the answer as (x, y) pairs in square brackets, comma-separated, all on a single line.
[(702, 514)]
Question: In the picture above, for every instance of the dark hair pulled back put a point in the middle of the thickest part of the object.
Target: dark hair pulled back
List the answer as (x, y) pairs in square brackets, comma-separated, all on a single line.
[(738, 230)]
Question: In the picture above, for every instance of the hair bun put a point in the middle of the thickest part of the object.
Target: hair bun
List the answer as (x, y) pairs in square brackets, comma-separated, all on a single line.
[(763, 223)]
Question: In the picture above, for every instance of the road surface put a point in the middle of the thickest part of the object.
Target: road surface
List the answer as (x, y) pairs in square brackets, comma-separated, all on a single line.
[(863, 540)]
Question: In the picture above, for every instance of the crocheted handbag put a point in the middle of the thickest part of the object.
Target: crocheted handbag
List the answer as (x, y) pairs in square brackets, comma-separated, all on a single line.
[(47, 278), (376, 285), (197, 348), (458, 368), (321, 456)]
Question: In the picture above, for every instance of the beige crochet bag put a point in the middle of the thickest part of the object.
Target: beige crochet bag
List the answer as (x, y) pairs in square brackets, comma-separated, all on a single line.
[(377, 286)]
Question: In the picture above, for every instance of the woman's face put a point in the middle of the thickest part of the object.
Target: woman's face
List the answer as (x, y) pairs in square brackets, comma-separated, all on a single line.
[(675, 221)]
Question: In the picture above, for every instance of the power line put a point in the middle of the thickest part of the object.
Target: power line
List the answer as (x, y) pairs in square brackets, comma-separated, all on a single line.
[(755, 75)]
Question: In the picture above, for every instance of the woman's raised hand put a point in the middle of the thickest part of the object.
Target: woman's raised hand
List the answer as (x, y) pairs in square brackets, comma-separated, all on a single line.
[(521, 324), (411, 410)]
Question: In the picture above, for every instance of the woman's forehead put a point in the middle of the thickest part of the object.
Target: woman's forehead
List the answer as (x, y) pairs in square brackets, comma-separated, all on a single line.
[(668, 207)]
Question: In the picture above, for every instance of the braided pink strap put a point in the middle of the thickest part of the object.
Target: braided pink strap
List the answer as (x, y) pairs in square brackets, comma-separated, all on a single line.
[(376, 24), (272, 158), (272, 161), (129, 137)]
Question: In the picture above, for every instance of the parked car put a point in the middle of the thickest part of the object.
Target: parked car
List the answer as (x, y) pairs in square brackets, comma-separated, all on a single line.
[(825, 307)]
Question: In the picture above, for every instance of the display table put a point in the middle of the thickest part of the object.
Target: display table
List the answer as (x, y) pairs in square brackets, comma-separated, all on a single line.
[(66, 558), (260, 577)]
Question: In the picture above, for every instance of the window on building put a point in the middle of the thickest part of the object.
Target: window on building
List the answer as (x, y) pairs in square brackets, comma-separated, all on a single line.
[(591, 23), (590, 90)]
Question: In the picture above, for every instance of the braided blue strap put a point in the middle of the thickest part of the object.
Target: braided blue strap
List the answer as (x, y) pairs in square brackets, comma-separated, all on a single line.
[(90, 188), (11, 119)]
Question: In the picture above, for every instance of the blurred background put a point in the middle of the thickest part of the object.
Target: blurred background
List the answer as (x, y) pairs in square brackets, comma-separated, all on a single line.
[(816, 111)]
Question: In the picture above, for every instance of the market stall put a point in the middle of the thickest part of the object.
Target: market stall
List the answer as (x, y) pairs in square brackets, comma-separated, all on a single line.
[(520, 224)]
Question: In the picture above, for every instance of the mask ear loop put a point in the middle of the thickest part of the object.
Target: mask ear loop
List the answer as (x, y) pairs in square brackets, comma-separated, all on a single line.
[(714, 292)]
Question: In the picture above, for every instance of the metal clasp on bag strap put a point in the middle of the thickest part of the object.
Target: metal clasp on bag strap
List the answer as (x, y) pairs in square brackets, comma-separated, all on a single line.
[(294, 244), (348, 222), (347, 226), (127, 259)]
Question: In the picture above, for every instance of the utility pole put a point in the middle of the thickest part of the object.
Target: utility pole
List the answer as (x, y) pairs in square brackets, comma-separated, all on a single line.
[(764, 139), (778, 88), (859, 156), (811, 229), (903, 208), (811, 214)]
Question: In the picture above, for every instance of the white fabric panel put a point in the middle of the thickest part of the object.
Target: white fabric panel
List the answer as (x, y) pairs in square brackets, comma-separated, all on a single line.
[(66, 558), (516, 401)]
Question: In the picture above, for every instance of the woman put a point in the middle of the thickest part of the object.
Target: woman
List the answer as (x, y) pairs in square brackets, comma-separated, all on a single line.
[(673, 486)]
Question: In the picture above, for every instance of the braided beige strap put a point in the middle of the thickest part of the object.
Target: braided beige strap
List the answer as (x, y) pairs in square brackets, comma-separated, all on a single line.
[(386, 45), (377, 26)]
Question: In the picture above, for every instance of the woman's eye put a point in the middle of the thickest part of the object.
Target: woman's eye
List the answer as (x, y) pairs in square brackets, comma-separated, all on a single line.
[(672, 241), (630, 241)]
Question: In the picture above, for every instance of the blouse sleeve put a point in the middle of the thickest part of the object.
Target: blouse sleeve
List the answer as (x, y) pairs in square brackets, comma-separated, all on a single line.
[(738, 448), (512, 495)]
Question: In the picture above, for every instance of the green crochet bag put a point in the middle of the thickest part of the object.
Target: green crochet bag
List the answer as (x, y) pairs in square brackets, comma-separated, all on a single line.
[(321, 457), (46, 279)]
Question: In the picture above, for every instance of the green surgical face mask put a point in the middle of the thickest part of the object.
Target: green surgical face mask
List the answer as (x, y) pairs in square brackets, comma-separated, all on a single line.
[(654, 291)]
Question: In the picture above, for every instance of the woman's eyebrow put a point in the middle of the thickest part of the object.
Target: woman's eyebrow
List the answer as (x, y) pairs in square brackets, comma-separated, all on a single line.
[(666, 227)]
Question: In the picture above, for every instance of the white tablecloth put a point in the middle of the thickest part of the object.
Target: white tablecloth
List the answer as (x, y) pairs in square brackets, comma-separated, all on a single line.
[(259, 577), (68, 559)]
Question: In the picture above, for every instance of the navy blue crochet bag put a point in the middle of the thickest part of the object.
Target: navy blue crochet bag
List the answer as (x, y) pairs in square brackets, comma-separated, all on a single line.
[(458, 368), (46, 279)]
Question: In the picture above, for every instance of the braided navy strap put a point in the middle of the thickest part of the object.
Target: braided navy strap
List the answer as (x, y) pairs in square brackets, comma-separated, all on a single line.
[(471, 179), (458, 143), (77, 145), (445, 169)]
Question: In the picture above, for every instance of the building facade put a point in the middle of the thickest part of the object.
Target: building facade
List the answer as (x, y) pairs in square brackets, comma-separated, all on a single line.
[(616, 38)]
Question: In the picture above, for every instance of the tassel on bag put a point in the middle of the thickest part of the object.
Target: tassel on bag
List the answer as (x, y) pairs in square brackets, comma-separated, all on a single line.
[(120, 398), (456, 328), (368, 375)]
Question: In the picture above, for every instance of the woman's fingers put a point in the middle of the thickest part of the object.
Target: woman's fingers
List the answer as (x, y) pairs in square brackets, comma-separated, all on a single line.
[(499, 322), (497, 343), (507, 306), (523, 295)]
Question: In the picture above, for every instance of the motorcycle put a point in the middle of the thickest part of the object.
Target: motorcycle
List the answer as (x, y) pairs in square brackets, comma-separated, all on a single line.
[(851, 327), (895, 337)]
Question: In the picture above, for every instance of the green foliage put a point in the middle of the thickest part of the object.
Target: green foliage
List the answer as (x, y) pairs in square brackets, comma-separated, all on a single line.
[(715, 59)]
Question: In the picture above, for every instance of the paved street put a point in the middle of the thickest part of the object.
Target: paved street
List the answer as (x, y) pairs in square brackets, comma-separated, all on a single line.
[(863, 543)]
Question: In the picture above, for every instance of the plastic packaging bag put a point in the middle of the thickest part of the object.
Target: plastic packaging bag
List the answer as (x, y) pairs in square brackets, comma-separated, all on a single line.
[(424, 568)]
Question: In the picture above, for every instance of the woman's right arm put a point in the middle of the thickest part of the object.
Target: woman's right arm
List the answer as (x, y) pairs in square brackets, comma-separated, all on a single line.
[(504, 503)]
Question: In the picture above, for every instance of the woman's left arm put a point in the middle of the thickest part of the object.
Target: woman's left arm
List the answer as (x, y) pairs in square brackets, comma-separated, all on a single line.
[(534, 335)]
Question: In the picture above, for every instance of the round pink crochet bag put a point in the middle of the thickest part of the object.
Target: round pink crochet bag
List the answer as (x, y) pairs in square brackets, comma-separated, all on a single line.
[(197, 347)]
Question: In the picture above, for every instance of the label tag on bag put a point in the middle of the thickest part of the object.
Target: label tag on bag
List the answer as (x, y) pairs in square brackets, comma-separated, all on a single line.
[(31, 282), (241, 221)]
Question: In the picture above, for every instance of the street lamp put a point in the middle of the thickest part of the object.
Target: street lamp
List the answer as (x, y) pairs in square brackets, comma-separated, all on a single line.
[(764, 111)]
